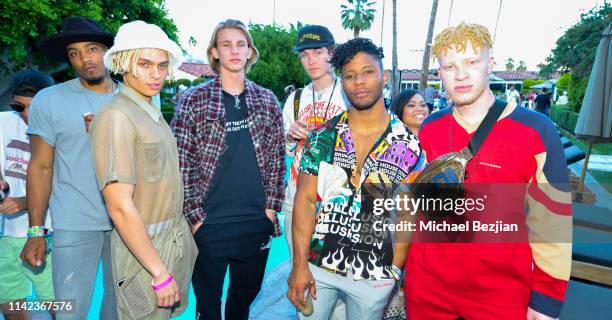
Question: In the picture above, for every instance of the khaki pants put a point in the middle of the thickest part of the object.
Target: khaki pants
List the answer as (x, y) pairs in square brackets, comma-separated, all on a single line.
[(135, 296)]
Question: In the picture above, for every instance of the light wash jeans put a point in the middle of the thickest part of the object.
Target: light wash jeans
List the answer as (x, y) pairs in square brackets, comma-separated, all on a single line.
[(339, 311), (76, 257), (365, 299)]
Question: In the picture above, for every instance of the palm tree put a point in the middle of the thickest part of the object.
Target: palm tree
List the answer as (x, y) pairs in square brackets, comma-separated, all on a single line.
[(192, 41), (427, 53), (510, 64), (358, 17), (382, 23), (395, 87)]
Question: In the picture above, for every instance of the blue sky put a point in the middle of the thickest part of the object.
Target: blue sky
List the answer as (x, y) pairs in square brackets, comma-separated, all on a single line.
[(527, 29)]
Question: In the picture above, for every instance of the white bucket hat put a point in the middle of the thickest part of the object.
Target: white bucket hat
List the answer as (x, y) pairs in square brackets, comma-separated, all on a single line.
[(139, 35)]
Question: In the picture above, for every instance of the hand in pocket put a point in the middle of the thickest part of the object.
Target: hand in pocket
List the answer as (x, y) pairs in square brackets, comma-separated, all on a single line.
[(271, 215)]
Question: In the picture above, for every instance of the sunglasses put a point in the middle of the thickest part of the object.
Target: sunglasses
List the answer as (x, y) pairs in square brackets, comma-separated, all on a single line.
[(18, 106)]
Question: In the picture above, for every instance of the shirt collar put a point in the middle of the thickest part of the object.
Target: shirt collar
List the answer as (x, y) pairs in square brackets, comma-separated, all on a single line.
[(148, 107)]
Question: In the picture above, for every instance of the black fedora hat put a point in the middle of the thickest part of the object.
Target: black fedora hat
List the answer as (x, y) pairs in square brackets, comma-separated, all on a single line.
[(75, 29)]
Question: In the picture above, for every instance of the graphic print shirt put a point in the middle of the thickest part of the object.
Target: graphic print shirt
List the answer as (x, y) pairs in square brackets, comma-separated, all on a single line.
[(345, 236), (313, 111), (14, 161)]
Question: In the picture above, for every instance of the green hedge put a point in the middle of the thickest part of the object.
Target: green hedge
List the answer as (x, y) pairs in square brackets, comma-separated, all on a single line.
[(168, 116), (185, 82), (576, 89), (198, 81), (167, 107), (564, 117), (572, 119), (165, 95)]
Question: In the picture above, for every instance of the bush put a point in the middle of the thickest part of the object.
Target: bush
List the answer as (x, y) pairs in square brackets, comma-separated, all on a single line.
[(198, 81), (555, 112), (167, 107), (184, 82), (576, 90), (165, 95), (168, 116), (563, 82), (169, 83), (572, 120), (278, 66), (564, 117), (527, 83)]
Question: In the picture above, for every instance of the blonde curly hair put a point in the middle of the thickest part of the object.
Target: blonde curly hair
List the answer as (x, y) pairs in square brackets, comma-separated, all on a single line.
[(458, 36)]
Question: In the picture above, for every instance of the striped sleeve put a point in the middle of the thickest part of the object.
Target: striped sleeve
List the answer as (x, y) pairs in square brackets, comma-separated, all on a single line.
[(549, 222)]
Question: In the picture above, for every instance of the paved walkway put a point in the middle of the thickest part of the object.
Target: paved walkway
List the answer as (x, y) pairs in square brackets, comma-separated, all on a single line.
[(600, 163), (272, 302)]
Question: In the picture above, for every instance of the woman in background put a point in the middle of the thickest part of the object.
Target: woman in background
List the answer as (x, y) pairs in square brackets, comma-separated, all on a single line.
[(410, 107)]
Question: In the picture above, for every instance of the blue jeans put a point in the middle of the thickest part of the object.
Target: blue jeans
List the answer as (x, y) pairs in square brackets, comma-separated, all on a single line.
[(76, 257), (365, 299)]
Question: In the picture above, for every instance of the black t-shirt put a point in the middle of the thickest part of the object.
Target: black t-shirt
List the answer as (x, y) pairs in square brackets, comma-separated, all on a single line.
[(236, 192), (542, 101)]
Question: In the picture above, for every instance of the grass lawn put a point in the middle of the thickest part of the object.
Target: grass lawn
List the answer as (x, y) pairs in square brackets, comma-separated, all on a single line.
[(600, 148), (604, 178)]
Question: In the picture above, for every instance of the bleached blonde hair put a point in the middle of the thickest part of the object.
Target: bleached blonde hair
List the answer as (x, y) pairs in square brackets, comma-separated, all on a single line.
[(458, 36), (126, 61)]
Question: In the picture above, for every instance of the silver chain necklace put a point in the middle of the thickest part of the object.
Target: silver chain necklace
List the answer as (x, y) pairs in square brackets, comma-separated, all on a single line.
[(314, 105), (236, 101)]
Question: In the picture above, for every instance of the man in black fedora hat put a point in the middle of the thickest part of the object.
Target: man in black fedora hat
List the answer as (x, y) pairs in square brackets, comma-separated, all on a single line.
[(61, 175)]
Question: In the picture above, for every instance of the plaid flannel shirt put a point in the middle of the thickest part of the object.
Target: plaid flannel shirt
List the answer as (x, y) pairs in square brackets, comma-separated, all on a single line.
[(199, 127)]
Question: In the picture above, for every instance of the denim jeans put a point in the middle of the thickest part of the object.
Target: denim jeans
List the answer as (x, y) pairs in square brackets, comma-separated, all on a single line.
[(339, 310), (365, 299), (76, 257)]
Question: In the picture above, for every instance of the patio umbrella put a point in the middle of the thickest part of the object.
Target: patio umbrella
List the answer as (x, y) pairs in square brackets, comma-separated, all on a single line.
[(546, 85), (595, 119)]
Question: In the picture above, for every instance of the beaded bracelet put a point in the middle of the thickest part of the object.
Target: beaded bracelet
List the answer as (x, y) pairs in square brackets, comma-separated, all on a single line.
[(39, 231), (162, 285)]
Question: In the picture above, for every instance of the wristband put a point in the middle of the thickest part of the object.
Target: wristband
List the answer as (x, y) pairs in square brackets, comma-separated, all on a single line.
[(157, 287), (39, 231), (396, 272)]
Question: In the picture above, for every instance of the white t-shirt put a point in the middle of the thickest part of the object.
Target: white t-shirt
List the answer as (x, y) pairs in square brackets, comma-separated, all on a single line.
[(513, 95), (314, 117), (15, 157)]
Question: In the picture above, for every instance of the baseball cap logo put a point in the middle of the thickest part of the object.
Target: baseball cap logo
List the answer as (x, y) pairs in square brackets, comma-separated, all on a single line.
[(312, 36)]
